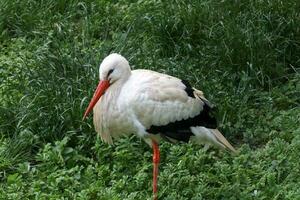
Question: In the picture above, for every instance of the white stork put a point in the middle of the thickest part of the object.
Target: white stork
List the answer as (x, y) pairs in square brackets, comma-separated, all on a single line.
[(153, 106)]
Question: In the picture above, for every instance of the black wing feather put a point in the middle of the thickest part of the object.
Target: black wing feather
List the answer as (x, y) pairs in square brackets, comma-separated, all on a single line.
[(180, 130)]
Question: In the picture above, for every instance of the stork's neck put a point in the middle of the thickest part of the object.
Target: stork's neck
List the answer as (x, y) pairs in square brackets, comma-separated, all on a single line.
[(110, 98), (122, 80), (117, 86), (114, 90)]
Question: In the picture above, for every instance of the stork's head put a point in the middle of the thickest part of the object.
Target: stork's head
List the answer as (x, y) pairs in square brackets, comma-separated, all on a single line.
[(114, 68)]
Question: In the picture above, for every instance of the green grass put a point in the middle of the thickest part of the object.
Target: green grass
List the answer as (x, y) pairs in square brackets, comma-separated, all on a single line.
[(245, 56)]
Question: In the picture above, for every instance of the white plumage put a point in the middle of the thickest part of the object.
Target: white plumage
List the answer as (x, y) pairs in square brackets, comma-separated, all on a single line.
[(152, 106), (139, 99)]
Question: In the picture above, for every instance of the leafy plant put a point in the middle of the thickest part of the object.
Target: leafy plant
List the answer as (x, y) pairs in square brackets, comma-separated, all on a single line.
[(244, 55)]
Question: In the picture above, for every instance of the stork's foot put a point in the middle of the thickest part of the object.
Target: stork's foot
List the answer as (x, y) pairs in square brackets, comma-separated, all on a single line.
[(156, 158)]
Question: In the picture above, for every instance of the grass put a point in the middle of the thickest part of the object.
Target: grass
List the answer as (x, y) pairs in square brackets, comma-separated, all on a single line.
[(245, 56)]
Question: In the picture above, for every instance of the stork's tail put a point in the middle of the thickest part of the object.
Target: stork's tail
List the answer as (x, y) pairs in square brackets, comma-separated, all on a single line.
[(206, 133), (222, 140)]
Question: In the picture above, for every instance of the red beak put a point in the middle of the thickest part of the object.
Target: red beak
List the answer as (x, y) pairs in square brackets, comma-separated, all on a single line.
[(102, 86)]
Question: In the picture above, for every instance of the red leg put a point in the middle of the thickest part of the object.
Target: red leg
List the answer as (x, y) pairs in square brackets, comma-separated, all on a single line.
[(156, 159)]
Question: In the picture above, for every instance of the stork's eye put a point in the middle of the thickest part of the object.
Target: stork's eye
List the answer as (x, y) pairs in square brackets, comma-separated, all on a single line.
[(109, 72)]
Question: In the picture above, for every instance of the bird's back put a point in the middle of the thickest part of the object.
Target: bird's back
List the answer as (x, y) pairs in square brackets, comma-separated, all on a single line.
[(165, 104)]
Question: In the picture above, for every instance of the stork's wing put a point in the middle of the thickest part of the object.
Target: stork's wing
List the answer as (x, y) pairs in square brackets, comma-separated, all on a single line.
[(165, 104)]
